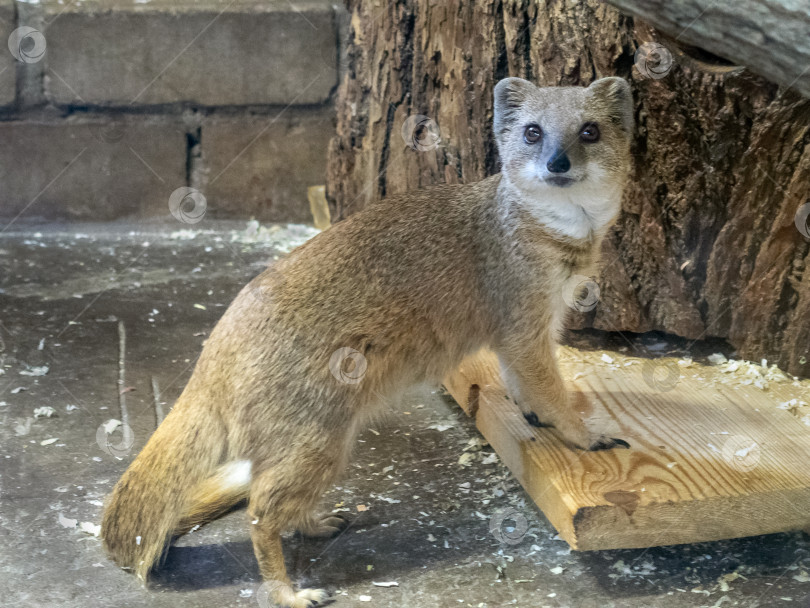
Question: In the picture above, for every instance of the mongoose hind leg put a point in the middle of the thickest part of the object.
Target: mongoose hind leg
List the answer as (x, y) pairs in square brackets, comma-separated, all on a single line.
[(277, 587), (285, 494)]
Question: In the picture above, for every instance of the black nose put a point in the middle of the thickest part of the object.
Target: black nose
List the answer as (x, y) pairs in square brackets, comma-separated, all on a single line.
[(559, 162)]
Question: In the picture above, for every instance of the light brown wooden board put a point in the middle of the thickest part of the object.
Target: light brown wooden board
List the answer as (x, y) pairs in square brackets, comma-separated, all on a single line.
[(681, 481)]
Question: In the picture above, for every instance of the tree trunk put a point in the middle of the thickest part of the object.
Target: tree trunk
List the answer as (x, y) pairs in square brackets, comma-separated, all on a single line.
[(709, 242), (771, 37)]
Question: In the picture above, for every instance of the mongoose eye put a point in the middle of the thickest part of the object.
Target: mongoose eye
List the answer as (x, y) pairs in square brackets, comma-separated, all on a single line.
[(589, 132), (532, 134)]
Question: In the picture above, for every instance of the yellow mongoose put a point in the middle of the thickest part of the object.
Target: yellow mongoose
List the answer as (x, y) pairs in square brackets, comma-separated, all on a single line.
[(395, 295)]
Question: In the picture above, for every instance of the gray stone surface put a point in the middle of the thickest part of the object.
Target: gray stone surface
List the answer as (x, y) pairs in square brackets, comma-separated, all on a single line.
[(427, 523), (99, 170), (8, 65), (212, 53), (261, 166)]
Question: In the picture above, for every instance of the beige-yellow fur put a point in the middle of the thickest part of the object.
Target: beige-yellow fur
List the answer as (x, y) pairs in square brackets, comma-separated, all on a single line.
[(413, 284)]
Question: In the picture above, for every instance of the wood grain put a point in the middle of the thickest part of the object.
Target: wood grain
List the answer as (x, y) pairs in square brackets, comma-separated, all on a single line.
[(680, 482), (771, 37)]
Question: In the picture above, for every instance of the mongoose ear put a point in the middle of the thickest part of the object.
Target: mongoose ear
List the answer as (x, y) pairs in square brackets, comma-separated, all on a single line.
[(619, 97), (510, 95)]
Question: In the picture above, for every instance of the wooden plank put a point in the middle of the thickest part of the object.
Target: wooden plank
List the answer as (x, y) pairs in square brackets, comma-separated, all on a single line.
[(771, 37), (708, 461)]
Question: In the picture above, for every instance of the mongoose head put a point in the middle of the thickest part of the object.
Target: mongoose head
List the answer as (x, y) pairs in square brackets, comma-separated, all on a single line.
[(562, 142)]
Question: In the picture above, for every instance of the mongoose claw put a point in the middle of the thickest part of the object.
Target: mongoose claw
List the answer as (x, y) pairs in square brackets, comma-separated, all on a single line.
[(607, 443), (327, 526), (534, 421), (308, 598), (282, 595), (336, 520), (318, 596)]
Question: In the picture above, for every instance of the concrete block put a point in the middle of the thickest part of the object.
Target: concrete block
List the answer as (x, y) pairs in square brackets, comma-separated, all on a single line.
[(91, 170), (8, 65), (31, 44), (212, 53), (262, 167)]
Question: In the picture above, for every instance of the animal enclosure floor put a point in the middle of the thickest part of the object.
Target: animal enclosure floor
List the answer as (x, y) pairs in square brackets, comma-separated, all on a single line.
[(434, 510)]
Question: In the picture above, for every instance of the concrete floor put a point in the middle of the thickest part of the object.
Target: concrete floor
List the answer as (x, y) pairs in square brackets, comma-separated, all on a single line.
[(426, 523)]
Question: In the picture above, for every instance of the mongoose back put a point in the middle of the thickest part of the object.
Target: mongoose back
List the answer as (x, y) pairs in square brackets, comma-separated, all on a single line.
[(393, 296)]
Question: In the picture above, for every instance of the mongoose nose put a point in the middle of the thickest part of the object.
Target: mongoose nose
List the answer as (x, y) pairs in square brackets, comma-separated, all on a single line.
[(559, 162)]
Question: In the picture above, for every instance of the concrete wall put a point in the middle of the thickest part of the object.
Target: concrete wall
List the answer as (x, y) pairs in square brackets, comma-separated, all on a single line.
[(108, 107)]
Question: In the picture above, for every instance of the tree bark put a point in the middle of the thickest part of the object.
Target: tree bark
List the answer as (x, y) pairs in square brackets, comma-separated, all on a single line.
[(771, 37), (706, 245)]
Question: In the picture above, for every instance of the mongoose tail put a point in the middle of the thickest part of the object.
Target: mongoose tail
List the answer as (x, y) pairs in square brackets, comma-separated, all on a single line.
[(157, 490)]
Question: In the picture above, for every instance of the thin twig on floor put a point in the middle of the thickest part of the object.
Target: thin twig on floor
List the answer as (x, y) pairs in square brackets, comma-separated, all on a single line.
[(158, 407), (122, 398)]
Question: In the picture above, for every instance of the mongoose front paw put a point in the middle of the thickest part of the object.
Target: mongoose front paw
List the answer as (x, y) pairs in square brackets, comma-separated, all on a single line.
[(603, 442), (534, 421)]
